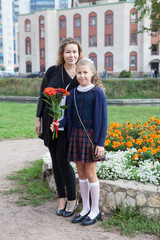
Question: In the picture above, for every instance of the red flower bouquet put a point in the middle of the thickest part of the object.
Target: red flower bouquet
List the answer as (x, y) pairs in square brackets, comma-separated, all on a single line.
[(54, 98)]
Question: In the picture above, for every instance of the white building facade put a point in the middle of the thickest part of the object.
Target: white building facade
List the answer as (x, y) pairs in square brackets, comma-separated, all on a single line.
[(107, 32)]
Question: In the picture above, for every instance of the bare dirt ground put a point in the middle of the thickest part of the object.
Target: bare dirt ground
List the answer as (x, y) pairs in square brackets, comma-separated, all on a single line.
[(40, 223)]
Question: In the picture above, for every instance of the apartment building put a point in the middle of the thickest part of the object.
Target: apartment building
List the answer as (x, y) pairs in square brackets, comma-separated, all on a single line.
[(107, 31), (6, 35)]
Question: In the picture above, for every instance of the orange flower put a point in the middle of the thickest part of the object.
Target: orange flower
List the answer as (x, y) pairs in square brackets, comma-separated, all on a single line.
[(107, 142), (139, 141), (50, 91), (139, 150), (129, 144), (154, 151), (144, 149), (135, 157), (64, 92), (145, 136), (120, 138)]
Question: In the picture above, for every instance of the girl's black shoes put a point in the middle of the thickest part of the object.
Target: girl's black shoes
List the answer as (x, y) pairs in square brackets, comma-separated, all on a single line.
[(78, 218), (88, 221)]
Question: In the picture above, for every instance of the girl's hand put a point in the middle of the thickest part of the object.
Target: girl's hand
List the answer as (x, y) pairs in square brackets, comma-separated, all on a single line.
[(38, 126), (52, 125), (99, 151)]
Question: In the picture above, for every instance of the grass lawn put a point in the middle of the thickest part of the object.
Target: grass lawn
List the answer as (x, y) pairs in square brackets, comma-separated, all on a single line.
[(17, 120)]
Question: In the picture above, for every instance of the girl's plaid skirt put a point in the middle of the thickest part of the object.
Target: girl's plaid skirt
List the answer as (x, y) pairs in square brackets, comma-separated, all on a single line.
[(79, 146)]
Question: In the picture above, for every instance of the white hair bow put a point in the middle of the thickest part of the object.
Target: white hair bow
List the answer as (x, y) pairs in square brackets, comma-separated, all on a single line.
[(88, 59)]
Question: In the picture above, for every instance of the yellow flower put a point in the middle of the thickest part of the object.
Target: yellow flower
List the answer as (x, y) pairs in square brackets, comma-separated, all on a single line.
[(152, 118)]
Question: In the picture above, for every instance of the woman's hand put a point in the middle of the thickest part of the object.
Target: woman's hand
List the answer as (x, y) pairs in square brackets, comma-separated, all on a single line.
[(99, 151), (53, 124), (38, 125)]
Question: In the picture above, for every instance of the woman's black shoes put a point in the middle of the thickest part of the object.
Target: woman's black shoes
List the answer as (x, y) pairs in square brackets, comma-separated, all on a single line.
[(71, 207), (78, 218), (60, 212), (88, 221)]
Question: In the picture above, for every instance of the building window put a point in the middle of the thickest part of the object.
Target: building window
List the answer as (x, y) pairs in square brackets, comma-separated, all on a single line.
[(28, 46), (92, 41), (0, 29), (28, 67), (42, 52), (92, 20), (42, 68), (154, 49), (133, 17), (41, 21), (15, 58), (133, 61), (1, 43), (133, 38), (77, 22), (27, 25), (78, 39), (1, 58), (61, 39), (109, 40), (109, 19), (42, 35), (93, 57), (63, 23), (109, 61)]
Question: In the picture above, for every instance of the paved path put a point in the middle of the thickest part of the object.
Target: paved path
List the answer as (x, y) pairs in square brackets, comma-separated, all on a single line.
[(40, 223), (118, 102)]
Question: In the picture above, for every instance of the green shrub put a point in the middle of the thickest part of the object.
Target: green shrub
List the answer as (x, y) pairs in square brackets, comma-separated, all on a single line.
[(125, 74)]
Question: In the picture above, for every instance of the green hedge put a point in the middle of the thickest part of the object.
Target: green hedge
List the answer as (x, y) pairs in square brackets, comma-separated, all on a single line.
[(114, 88)]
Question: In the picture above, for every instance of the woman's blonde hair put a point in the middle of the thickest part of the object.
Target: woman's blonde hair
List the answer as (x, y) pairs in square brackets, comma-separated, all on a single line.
[(63, 44), (95, 78)]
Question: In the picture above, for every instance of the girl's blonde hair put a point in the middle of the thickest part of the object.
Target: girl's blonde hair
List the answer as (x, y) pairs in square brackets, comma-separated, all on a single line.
[(95, 78), (63, 44)]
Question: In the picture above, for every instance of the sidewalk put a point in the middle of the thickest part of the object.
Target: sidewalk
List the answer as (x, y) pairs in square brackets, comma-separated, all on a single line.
[(40, 223), (119, 102)]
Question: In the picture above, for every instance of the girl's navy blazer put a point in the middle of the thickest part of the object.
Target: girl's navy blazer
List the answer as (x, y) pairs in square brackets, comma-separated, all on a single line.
[(100, 116)]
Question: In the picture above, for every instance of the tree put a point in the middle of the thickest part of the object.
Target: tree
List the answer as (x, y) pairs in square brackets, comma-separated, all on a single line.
[(151, 9)]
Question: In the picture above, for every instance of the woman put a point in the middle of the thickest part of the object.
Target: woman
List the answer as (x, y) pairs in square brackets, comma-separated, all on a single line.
[(60, 76)]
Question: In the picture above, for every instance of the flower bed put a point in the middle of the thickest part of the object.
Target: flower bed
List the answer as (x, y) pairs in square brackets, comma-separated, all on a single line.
[(143, 137), (133, 152)]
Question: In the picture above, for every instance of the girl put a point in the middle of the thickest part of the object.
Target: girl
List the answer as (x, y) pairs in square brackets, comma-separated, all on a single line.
[(60, 76), (92, 108)]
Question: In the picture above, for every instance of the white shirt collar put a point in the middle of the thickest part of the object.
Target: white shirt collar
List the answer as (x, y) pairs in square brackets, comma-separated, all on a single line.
[(85, 89)]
